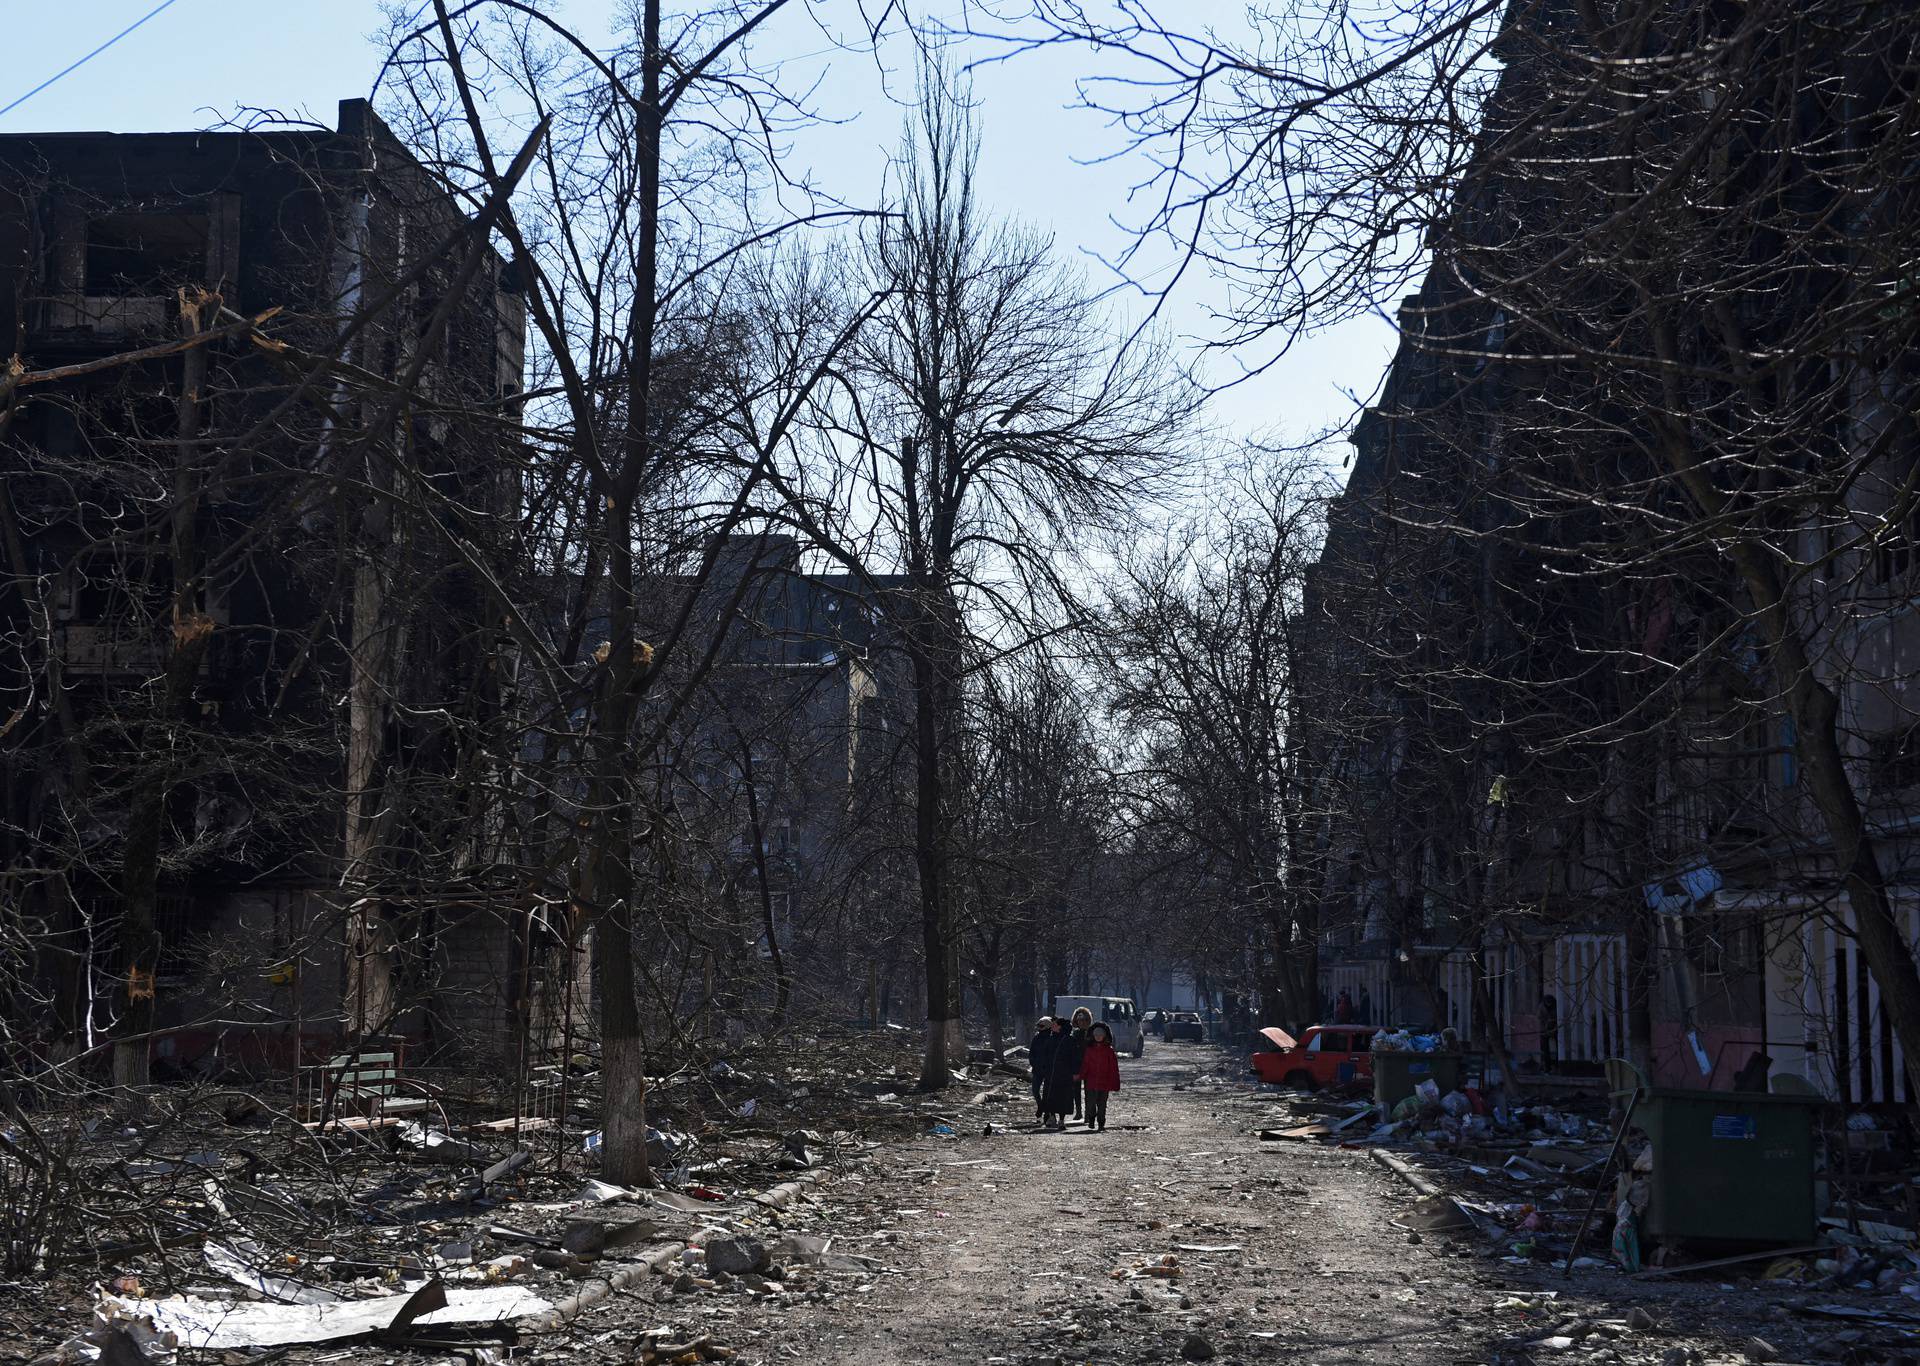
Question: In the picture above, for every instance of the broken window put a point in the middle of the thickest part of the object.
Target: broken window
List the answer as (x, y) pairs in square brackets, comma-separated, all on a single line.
[(1721, 943), (1895, 760), (145, 253), (175, 921)]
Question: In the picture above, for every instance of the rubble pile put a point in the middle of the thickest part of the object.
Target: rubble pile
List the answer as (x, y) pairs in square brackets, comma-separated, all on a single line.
[(232, 1224), (1542, 1182)]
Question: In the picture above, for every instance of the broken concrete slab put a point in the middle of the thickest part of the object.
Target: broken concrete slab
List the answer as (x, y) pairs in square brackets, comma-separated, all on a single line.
[(590, 1235), (737, 1256)]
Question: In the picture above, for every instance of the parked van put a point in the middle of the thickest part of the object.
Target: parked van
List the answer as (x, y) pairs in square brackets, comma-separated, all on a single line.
[(1117, 1013)]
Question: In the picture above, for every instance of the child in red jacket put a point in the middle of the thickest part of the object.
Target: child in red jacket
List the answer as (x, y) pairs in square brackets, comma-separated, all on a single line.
[(1100, 1070)]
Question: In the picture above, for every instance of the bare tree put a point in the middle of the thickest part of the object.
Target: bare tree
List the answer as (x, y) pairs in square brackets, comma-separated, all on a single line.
[(662, 181), (1202, 628), (989, 421)]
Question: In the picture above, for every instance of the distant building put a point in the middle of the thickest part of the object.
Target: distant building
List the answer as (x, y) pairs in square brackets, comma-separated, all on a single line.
[(794, 761)]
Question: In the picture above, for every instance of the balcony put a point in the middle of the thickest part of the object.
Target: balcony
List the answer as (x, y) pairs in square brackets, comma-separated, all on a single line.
[(106, 317), (111, 650)]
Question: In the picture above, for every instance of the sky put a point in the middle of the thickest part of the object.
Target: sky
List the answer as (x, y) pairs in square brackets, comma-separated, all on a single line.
[(199, 62)]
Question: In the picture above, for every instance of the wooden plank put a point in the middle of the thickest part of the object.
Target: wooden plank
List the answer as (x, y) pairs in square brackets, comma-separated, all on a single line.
[(1734, 1261), (350, 1123), (1305, 1131)]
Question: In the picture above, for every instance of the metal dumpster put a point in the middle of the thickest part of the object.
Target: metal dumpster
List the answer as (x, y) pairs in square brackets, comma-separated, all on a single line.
[(1729, 1166), (1395, 1074)]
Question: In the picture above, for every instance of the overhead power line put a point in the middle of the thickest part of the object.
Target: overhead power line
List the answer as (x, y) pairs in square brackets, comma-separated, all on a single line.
[(163, 5)]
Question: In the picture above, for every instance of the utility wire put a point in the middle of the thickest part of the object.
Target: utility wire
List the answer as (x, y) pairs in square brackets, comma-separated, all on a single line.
[(164, 4)]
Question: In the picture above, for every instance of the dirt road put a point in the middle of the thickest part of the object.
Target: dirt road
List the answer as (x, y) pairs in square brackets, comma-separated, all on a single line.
[(1002, 1247), (1006, 1245)]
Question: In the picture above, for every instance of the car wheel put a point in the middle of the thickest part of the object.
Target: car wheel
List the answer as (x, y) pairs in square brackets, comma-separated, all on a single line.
[(1303, 1080), (1140, 1049)]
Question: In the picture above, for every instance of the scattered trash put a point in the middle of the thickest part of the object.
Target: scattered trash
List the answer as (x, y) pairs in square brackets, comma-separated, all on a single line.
[(436, 1146), (240, 1264), (1434, 1214), (682, 1353), (1626, 1238), (803, 1248)]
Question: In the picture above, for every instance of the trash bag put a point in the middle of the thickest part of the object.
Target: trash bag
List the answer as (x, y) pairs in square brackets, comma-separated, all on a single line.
[(1626, 1238), (1456, 1104)]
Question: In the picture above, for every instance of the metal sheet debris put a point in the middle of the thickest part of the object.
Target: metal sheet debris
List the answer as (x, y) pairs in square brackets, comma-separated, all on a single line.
[(221, 1325)]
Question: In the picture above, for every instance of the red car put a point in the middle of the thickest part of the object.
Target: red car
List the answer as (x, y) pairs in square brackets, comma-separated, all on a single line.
[(1325, 1055)]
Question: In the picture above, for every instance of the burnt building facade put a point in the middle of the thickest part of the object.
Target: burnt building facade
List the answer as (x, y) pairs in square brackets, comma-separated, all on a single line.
[(258, 456)]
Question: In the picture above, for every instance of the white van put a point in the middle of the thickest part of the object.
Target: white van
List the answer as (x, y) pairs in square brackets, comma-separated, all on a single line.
[(1117, 1013)]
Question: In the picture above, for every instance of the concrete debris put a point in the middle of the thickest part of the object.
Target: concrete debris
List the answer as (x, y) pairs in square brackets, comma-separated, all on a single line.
[(1196, 1348), (737, 1256)]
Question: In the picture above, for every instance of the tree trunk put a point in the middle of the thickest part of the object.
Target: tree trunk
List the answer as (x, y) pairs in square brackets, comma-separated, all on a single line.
[(1816, 714), (996, 1021), (1057, 985), (1642, 983), (369, 985), (611, 880), (930, 859), (782, 983), (191, 630), (1495, 1032), (1025, 989)]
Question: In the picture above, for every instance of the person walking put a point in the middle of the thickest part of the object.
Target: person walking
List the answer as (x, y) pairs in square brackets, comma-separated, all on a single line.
[(1063, 1073), (1040, 1060), (1100, 1072), (1082, 1022)]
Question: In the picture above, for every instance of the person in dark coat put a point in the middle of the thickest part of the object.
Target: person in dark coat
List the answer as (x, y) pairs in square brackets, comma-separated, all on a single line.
[(1063, 1076), (1040, 1059)]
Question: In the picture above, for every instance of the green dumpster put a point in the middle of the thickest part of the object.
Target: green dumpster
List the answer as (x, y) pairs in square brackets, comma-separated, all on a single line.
[(1395, 1074), (1729, 1166)]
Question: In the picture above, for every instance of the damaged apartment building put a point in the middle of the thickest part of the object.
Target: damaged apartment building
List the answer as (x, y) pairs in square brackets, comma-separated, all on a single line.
[(791, 766), (1562, 802), (245, 658)]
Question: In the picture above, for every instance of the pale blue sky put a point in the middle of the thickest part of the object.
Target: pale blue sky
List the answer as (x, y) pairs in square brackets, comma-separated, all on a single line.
[(202, 60)]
